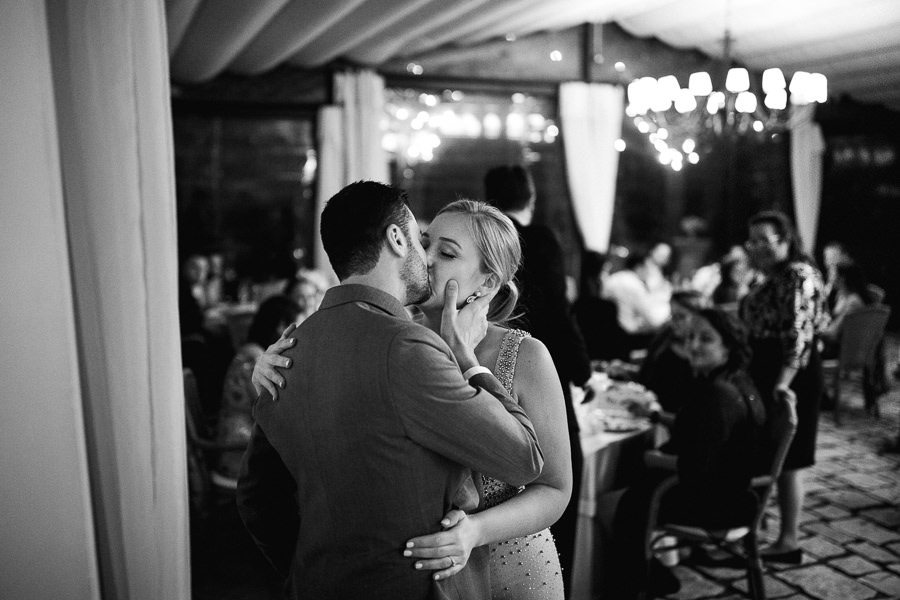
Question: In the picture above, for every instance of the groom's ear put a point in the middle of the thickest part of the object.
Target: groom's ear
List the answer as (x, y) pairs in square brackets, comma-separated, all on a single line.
[(396, 240)]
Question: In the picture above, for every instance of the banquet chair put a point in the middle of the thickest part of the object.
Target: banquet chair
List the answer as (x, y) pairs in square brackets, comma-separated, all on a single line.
[(205, 485), (741, 541), (860, 340), (876, 292)]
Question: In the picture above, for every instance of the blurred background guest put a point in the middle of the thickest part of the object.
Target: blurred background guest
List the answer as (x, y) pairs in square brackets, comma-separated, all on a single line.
[(784, 313), (734, 279), (235, 421), (597, 317), (307, 288), (640, 312), (850, 292), (715, 448), (658, 270), (666, 370), (205, 350), (834, 254), (545, 314)]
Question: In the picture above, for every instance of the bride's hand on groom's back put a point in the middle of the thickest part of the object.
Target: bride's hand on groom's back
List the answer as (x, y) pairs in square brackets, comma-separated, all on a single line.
[(447, 551), (265, 369)]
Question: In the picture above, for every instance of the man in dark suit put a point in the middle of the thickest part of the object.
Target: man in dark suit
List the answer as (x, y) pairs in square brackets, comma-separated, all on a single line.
[(376, 434), (546, 314)]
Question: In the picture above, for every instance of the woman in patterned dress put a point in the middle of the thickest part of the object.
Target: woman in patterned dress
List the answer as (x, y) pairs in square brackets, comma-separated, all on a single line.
[(784, 313), (478, 246)]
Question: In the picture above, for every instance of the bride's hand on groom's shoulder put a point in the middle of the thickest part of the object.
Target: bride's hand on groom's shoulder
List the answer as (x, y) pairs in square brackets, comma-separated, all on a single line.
[(447, 551), (265, 369)]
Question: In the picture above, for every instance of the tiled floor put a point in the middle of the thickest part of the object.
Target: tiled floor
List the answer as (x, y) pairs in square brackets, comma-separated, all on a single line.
[(851, 527)]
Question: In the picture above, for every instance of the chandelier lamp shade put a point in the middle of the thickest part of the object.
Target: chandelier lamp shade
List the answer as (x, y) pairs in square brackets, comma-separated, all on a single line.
[(677, 120)]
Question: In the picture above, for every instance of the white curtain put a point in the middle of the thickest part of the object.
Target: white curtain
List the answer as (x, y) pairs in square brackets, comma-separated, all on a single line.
[(807, 147), (591, 116), (349, 141), (95, 420)]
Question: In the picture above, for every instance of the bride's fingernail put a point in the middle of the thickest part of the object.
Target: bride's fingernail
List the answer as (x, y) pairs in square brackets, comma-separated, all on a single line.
[(409, 544), (418, 565), (437, 577), (407, 553), (288, 363)]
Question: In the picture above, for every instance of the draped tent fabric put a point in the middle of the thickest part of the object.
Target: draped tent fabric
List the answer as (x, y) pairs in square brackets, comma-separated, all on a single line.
[(330, 173), (591, 116), (349, 142), (47, 541), (113, 330), (807, 148)]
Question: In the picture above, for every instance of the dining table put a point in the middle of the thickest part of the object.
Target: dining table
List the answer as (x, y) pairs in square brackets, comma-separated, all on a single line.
[(613, 443)]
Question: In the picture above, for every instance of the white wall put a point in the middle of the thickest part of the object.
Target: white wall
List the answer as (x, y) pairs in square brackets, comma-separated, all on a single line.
[(46, 531)]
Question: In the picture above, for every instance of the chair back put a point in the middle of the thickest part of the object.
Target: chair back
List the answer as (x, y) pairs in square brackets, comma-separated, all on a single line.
[(193, 410), (861, 331), (199, 478), (781, 424), (876, 292)]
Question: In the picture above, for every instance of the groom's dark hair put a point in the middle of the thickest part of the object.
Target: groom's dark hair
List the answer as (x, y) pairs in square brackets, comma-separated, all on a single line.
[(354, 223)]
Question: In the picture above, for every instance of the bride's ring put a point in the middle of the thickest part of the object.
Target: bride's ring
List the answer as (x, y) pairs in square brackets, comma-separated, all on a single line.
[(452, 561)]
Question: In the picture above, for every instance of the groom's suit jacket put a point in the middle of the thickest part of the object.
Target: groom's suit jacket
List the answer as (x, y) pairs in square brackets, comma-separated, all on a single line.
[(372, 441)]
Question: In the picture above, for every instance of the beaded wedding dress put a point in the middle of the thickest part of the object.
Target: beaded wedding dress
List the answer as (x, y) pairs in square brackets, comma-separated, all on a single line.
[(526, 567)]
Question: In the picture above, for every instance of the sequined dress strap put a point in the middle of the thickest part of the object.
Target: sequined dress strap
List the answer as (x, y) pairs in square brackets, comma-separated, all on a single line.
[(496, 491), (505, 369)]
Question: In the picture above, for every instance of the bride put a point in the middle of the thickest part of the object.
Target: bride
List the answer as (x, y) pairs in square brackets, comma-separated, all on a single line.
[(478, 246)]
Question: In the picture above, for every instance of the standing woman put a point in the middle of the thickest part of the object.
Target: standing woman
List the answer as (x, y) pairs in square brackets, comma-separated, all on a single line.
[(784, 313)]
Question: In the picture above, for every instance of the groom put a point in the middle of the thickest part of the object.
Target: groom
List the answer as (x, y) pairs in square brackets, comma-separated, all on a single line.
[(376, 435)]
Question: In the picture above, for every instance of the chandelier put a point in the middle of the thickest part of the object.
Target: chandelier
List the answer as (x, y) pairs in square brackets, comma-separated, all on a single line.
[(677, 120)]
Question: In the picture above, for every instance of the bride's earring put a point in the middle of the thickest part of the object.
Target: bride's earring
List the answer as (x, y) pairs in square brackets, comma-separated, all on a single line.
[(472, 298)]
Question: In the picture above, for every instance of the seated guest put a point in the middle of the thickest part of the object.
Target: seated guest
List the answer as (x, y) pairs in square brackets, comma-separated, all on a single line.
[(307, 288), (657, 279), (597, 317), (235, 421), (834, 254), (714, 448), (666, 370), (734, 270), (205, 350), (641, 313), (851, 292)]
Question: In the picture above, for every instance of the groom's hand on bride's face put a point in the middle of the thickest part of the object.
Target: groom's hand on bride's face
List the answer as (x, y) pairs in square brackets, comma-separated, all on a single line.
[(265, 369)]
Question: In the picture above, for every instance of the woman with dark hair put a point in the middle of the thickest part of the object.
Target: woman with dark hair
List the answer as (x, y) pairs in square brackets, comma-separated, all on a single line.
[(235, 418), (714, 447), (784, 313), (666, 370)]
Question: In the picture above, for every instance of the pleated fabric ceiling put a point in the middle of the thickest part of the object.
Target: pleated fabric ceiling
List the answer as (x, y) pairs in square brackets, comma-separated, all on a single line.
[(855, 44)]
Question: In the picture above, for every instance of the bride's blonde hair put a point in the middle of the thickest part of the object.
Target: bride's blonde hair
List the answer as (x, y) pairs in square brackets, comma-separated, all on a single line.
[(498, 244)]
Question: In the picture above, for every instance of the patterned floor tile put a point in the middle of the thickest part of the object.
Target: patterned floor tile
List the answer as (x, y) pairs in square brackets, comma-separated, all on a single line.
[(825, 583)]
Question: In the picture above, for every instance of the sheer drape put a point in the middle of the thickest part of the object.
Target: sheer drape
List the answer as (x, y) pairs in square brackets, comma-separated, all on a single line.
[(349, 141), (807, 147), (90, 306), (591, 115)]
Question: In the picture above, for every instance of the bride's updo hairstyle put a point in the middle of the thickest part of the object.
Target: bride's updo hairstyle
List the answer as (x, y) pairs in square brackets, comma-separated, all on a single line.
[(501, 252)]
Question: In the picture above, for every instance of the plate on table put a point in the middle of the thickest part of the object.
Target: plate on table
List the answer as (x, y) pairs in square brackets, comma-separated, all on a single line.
[(617, 425)]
